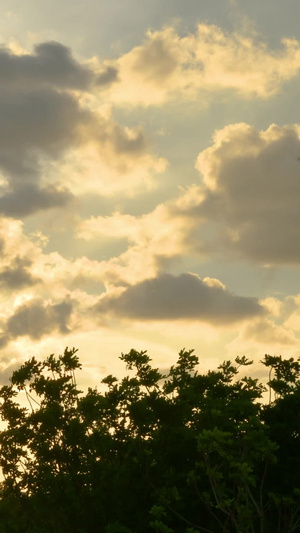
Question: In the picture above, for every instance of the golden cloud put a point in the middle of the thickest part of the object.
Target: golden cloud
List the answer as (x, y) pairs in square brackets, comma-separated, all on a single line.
[(167, 66)]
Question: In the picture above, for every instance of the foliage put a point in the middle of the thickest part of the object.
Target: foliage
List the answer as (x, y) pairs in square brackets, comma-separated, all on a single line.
[(184, 452)]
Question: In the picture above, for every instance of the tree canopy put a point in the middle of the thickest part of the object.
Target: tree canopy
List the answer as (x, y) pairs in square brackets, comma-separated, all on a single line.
[(181, 452)]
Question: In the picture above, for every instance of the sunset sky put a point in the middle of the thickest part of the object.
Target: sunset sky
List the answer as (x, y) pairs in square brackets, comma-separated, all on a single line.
[(150, 180)]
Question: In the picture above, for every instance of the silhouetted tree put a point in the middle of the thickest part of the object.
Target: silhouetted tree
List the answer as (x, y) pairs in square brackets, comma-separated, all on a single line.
[(183, 452)]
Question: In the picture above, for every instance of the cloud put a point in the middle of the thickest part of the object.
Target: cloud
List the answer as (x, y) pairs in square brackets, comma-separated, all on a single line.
[(17, 275), (107, 76), (267, 332), (156, 230), (36, 125), (247, 207), (27, 199), (107, 172), (15, 243), (154, 239), (186, 297), (33, 122), (36, 319), (167, 66), (51, 64), (48, 114), (25, 264)]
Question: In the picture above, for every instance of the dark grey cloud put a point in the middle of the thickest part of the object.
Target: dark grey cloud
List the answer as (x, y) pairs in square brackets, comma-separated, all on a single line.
[(51, 64), (27, 199), (37, 121), (169, 297), (35, 126), (41, 119), (248, 207), (36, 319), (108, 76), (17, 275), (47, 122)]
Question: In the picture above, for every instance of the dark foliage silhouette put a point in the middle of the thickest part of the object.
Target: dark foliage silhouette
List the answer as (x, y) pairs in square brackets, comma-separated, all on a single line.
[(183, 452)]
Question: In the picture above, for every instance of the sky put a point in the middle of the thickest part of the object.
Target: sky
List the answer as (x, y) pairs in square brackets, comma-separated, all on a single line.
[(149, 180)]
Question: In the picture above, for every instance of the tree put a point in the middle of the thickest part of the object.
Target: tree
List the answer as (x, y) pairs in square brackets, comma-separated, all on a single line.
[(183, 452)]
